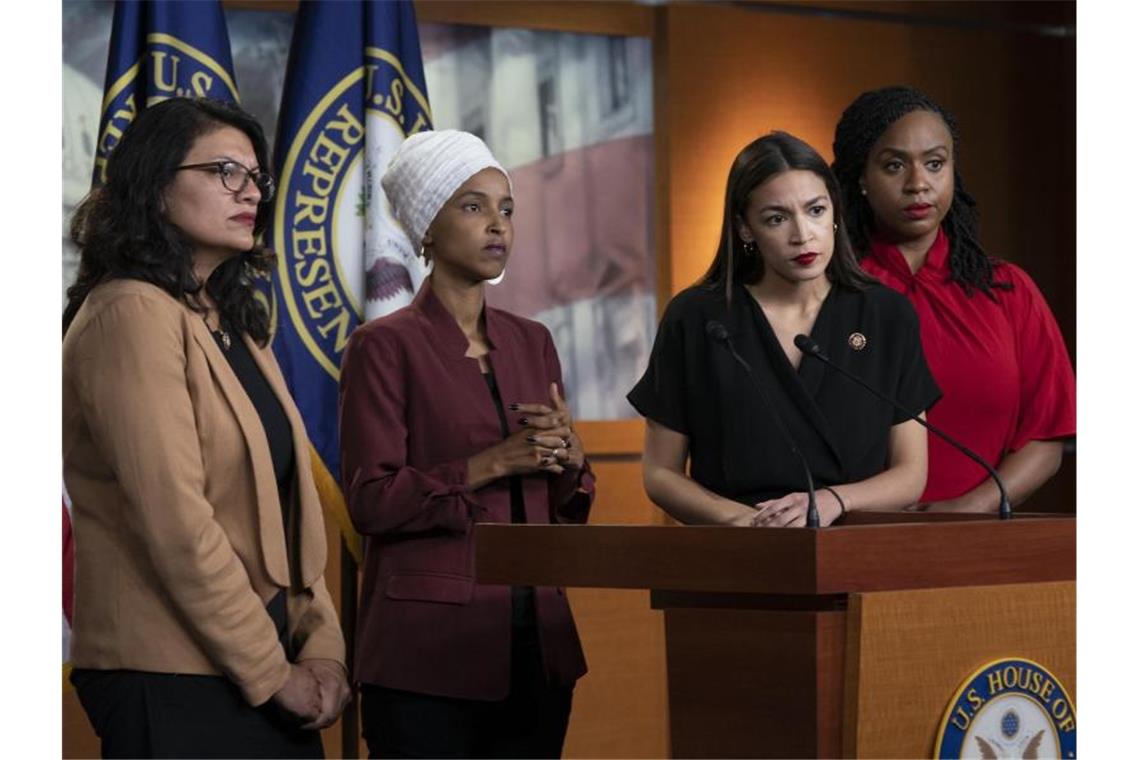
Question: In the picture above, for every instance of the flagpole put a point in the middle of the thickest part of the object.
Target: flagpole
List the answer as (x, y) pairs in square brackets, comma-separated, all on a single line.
[(349, 727), (347, 60)]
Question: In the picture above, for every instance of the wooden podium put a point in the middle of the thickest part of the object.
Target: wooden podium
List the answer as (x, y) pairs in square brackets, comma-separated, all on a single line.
[(845, 641)]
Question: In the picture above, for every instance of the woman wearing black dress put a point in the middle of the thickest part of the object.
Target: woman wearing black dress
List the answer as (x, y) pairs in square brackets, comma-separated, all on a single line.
[(784, 267)]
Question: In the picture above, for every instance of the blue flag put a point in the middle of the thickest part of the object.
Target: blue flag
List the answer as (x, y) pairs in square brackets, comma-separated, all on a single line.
[(161, 50), (354, 89)]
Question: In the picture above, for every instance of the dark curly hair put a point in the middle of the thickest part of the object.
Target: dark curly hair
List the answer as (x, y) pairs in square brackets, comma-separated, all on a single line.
[(759, 161), (122, 231), (862, 124)]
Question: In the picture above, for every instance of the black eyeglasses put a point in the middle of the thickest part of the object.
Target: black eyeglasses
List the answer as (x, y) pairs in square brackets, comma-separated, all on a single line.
[(235, 177)]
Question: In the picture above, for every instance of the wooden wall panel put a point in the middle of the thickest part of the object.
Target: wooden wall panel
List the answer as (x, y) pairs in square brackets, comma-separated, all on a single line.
[(625, 18), (621, 705), (615, 438), (629, 19), (797, 72)]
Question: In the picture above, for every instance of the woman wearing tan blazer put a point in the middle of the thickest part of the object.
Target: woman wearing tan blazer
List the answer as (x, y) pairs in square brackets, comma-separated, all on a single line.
[(202, 624)]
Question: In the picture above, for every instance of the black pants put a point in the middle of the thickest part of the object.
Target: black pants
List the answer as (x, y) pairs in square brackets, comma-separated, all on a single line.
[(137, 714), (530, 722)]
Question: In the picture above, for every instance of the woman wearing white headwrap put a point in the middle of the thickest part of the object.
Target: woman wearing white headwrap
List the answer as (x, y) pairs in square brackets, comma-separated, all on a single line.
[(452, 413)]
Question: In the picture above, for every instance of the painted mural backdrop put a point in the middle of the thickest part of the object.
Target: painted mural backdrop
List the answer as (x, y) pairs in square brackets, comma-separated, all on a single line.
[(569, 115)]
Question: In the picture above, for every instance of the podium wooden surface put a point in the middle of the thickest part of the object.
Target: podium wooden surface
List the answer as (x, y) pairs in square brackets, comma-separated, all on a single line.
[(908, 651), (793, 643)]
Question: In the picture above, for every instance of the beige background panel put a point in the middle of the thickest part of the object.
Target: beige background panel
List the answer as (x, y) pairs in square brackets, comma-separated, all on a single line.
[(620, 706), (909, 651)]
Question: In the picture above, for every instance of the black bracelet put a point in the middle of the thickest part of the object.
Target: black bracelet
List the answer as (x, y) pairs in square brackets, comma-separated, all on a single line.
[(838, 498)]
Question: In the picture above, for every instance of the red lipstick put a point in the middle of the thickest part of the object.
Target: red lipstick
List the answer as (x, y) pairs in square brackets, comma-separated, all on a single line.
[(918, 210)]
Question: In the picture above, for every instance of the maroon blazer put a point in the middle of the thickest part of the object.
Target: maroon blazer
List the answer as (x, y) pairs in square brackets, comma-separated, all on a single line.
[(413, 409)]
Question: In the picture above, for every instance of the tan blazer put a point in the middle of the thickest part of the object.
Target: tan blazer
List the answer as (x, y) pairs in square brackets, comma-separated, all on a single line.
[(179, 535)]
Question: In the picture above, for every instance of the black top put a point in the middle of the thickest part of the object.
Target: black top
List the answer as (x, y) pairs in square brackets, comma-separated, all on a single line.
[(695, 387), (522, 597), (279, 434), (278, 431)]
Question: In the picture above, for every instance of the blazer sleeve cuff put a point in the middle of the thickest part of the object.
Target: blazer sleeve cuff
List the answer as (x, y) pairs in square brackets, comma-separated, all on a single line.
[(452, 477), (324, 645), (318, 632), (573, 495), (259, 691)]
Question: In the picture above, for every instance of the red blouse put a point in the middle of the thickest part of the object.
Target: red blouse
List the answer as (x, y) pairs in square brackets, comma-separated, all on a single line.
[(1002, 366)]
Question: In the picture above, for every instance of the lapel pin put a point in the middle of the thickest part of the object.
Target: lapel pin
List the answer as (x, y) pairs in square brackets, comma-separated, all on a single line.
[(857, 341)]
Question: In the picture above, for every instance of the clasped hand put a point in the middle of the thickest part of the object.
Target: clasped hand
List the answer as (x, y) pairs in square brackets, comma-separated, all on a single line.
[(315, 693), (546, 441)]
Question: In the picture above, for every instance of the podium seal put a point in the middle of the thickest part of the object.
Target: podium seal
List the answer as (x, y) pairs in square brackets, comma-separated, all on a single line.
[(1009, 708)]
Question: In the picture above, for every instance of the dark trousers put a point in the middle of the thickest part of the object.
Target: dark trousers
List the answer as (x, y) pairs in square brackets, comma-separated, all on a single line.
[(530, 722), (138, 714)]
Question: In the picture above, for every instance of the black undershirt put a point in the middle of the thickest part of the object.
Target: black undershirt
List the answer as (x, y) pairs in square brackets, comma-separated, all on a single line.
[(279, 435), (522, 597), (278, 431)]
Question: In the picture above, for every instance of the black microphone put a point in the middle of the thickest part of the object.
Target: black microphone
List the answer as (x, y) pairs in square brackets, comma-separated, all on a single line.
[(719, 333), (810, 348)]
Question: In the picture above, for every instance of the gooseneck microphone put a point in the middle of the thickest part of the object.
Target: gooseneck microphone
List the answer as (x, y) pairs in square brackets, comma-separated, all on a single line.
[(810, 348), (719, 333)]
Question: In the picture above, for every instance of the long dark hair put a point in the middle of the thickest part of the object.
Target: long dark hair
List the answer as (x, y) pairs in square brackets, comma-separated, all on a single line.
[(862, 124), (758, 162), (122, 231)]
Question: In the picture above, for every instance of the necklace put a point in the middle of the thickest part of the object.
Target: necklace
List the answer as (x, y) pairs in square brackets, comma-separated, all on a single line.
[(221, 332)]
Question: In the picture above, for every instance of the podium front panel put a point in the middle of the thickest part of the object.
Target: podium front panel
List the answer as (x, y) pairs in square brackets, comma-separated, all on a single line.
[(754, 683), (907, 653)]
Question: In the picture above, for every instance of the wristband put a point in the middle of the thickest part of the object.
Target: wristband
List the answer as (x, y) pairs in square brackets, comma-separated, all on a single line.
[(838, 498)]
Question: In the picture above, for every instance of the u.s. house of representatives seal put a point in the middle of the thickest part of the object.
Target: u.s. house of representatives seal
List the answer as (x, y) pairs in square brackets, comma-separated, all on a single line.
[(342, 256), (1009, 708), (174, 68)]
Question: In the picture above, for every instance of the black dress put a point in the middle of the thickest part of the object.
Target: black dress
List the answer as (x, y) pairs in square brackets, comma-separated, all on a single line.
[(695, 387)]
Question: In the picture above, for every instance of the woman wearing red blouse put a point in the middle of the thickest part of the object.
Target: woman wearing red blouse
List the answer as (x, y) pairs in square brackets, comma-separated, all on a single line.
[(451, 413), (988, 334)]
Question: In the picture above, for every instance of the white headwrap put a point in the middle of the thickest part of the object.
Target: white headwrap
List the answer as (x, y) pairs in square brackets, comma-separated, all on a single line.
[(427, 170)]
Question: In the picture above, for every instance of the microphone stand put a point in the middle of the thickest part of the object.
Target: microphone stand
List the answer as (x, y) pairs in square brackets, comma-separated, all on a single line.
[(810, 348), (719, 333)]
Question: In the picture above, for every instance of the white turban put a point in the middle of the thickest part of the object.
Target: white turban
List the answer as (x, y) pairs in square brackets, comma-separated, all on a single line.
[(427, 170)]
